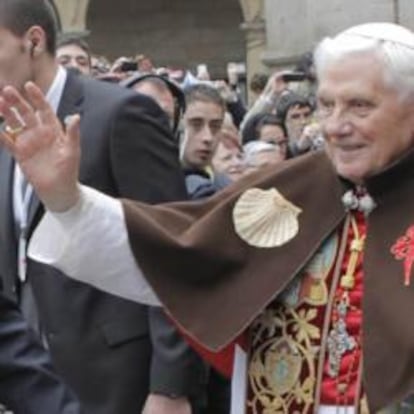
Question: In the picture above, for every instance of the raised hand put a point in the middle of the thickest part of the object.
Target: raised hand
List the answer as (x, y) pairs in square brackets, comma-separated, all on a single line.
[(48, 156)]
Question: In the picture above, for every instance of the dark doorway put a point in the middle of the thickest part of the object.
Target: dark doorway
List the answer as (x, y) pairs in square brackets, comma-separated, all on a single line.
[(177, 33)]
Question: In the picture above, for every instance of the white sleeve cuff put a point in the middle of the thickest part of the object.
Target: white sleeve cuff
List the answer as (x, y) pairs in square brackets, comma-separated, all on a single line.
[(90, 243)]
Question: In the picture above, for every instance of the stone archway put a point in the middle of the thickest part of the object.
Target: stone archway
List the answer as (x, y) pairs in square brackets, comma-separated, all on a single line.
[(73, 16)]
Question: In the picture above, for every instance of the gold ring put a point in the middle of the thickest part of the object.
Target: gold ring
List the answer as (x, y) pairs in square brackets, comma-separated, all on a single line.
[(12, 133)]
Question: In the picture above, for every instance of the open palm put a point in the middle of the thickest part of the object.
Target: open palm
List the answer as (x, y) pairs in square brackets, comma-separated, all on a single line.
[(48, 155)]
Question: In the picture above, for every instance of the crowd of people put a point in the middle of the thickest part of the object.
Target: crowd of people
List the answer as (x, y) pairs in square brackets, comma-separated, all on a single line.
[(279, 124), (285, 288), (220, 138)]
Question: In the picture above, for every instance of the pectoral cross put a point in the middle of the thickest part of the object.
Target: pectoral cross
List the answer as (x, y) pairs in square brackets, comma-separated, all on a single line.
[(339, 341)]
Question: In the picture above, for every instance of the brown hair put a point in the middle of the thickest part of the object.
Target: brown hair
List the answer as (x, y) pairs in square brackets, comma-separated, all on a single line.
[(229, 139)]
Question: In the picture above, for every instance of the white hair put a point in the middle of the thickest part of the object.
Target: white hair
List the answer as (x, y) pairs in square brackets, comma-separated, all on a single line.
[(255, 147), (393, 45)]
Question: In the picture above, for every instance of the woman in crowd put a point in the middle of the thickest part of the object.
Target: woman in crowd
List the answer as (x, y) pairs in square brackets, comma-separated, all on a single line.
[(228, 158)]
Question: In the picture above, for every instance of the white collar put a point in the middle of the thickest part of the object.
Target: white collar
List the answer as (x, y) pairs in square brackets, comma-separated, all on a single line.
[(55, 91)]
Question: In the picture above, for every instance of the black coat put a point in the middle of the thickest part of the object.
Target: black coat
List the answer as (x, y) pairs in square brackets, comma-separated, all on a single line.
[(28, 384), (101, 344)]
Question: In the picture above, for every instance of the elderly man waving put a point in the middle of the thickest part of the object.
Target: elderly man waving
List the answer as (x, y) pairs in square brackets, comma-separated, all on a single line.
[(310, 263)]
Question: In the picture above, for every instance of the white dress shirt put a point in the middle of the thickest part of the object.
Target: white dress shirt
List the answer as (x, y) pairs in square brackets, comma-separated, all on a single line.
[(89, 243), (23, 193)]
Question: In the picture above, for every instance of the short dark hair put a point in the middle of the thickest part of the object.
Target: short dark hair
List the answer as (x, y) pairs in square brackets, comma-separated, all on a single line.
[(163, 82), (289, 100), (270, 119), (18, 16), (154, 79), (68, 40), (258, 82), (204, 93)]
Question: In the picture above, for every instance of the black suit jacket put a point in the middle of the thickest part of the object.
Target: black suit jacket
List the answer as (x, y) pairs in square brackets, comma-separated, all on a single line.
[(100, 343), (28, 384)]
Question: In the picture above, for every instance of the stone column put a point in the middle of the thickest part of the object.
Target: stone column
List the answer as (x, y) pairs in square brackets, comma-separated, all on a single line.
[(296, 26), (254, 28), (405, 13), (73, 15)]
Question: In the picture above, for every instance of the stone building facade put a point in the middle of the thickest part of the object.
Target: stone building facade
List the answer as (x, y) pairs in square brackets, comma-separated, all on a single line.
[(179, 32), (265, 33)]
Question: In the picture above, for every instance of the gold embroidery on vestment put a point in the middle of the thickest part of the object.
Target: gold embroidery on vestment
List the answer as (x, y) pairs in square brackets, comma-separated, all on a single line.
[(286, 340)]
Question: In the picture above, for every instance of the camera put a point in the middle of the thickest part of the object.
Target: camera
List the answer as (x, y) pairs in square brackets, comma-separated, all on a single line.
[(128, 66), (294, 76)]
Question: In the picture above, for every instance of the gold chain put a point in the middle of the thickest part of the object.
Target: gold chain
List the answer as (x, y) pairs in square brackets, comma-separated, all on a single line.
[(347, 280), (347, 283)]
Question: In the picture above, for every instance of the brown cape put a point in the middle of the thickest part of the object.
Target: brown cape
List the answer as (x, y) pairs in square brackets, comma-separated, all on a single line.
[(215, 285)]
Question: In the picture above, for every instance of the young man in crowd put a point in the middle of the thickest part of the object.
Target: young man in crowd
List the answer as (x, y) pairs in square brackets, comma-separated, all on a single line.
[(73, 52), (296, 111), (202, 123)]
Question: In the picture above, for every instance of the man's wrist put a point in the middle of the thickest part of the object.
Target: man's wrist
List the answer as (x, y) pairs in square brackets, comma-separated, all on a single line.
[(64, 201)]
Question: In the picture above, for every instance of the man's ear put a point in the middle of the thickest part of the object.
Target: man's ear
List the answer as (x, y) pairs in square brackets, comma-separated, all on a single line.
[(35, 41)]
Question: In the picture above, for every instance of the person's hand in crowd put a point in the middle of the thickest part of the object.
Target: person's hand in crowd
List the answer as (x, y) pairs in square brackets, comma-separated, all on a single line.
[(228, 94), (202, 72), (232, 74), (116, 66), (48, 156), (123, 67), (275, 86), (311, 137), (161, 404)]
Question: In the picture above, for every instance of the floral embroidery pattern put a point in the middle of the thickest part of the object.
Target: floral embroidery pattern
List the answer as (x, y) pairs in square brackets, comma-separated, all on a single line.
[(283, 351), (403, 249)]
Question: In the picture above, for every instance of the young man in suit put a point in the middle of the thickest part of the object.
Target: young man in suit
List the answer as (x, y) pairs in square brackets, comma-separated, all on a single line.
[(101, 345)]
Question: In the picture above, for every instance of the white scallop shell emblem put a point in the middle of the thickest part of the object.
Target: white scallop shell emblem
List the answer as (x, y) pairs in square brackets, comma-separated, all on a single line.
[(264, 218)]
